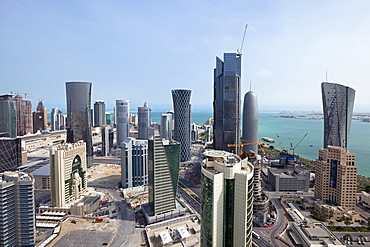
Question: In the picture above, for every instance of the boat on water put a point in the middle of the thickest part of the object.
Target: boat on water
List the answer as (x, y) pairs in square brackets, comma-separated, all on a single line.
[(268, 139)]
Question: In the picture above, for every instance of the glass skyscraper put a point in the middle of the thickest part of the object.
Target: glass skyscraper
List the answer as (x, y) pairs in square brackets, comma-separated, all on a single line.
[(8, 120), (182, 117), (338, 101), (99, 113), (144, 121), (79, 115), (226, 102), (122, 120)]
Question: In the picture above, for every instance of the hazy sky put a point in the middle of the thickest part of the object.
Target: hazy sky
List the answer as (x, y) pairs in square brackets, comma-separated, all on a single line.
[(140, 50)]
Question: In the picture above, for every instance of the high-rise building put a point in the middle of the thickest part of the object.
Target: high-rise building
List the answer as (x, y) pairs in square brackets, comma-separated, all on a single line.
[(79, 115), (144, 121), (250, 122), (226, 102), (134, 162), (166, 126), (160, 190), (336, 177), (182, 119), (107, 137), (227, 196), (8, 119), (10, 154), (17, 209), (99, 113), (122, 120), (67, 173), (338, 101), (194, 132), (40, 117), (172, 149), (24, 115), (57, 119)]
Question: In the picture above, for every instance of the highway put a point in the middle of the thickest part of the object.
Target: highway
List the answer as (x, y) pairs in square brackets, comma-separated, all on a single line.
[(194, 204)]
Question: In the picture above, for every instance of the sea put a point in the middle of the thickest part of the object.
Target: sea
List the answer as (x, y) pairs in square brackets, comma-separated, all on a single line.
[(292, 127)]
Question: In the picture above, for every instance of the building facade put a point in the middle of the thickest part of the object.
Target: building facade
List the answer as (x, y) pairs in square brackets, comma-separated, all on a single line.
[(40, 117), (8, 120), (107, 136), (79, 115), (24, 115), (289, 179), (227, 203), (144, 121), (226, 102), (250, 122), (68, 173), (336, 177), (17, 209), (166, 126), (10, 154), (182, 120), (160, 190), (338, 101), (99, 113), (134, 163), (122, 120), (57, 119)]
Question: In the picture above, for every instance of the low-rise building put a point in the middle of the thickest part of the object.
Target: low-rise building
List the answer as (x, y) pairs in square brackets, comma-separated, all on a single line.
[(289, 179)]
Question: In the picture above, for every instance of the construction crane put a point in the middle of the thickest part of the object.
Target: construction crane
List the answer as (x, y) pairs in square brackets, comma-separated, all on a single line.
[(239, 52), (280, 143), (260, 144), (291, 144)]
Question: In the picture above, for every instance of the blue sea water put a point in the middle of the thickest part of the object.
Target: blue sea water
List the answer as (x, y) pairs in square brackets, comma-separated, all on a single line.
[(293, 129)]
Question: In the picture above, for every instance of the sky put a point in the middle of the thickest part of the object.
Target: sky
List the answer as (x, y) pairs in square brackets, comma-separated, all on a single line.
[(141, 50)]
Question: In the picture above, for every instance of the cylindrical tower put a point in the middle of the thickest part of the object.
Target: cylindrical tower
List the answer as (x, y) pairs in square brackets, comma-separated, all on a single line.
[(122, 120), (250, 122)]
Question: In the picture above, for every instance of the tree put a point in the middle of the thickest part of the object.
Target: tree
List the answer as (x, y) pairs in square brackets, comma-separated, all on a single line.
[(331, 223), (347, 222)]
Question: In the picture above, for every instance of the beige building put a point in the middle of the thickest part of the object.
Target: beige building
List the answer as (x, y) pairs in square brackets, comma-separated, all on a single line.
[(68, 173), (336, 176)]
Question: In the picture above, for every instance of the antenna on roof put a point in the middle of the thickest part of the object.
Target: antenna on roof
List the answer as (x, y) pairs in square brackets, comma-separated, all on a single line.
[(250, 85)]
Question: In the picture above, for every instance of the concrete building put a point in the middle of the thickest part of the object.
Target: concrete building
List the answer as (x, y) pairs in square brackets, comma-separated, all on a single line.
[(226, 102), (107, 136), (8, 120), (182, 120), (10, 154), (122, 121), (68, 173), (289, 179), (161, 193), (166, 125), (40, 117), (57, 119), (250, 122), (99, 113), (24, 115), (227, 190), (336, 177), (17, 209), (338, 101), (79, 115), (134, 163), (144, 121)]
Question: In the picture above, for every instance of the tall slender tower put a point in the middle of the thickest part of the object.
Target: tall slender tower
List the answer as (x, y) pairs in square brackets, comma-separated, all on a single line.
[(143, 121), (226, 102), (99, 113), (8, 119), (79, 115), (24, 115), (166, 125), (182, 116), (39, 117), (122, 120), (250, 122), (338, 101)]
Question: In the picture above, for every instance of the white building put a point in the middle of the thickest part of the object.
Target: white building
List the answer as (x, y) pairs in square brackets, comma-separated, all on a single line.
[(122, 121)]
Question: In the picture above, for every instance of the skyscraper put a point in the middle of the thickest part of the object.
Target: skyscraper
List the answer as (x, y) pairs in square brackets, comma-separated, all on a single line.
[(338, 101), (107, 137), (122, 120), (144, 121), (10, 154), (57, 119), (79, 115), (227, 196), (134, 163), (40, 117), (17, 209), (99, 113), (67, 173), (250, 122), (182, 118), (166, 126), (336, 177), (226, 102), (24, 115), (8, 119)]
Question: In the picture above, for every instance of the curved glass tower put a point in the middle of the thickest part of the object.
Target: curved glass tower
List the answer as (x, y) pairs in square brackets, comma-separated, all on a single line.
[(123, 120), (79, 115), (182, 109), (338, 101), (250, 122)]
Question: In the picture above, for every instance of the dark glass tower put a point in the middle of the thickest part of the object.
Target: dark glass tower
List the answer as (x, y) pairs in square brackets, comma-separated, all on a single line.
[(338, 101), (226, 102), (99, 113), (79, 115), (182, 109), (144, 121), (250, 122), (8, 119)]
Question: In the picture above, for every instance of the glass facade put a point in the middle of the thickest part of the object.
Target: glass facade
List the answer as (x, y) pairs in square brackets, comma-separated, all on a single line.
[(144, 122), (99, 113), (79, 115), (122, 121), (8, 120), (182, 120), (10, 154), (207, 212)]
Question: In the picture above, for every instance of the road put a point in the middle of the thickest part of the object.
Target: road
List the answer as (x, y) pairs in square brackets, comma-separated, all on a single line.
[(194, 204), (106, 160)]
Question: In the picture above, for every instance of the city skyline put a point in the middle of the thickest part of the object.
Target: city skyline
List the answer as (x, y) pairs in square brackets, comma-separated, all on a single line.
[(287, 44)]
